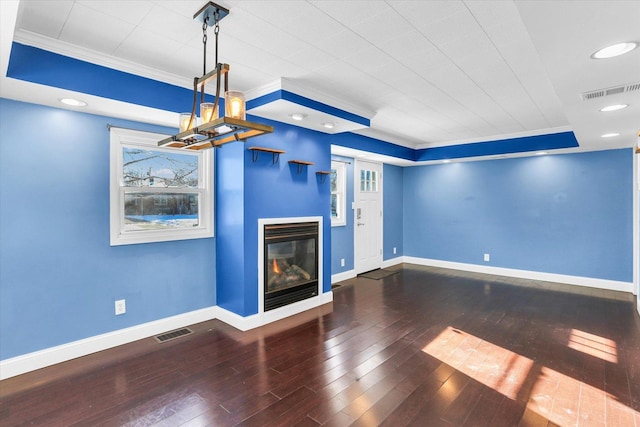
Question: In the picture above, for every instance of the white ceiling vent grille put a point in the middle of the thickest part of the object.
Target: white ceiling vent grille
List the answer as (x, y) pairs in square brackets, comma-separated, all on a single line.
[(632, 87), (610, 91)]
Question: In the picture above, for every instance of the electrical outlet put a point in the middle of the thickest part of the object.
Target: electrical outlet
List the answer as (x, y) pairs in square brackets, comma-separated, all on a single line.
[(394, 250), (342, 262), (121, 307), (487, 257)]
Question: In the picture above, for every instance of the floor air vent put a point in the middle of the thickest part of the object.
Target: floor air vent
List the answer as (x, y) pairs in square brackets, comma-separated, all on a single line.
[(173, 335)]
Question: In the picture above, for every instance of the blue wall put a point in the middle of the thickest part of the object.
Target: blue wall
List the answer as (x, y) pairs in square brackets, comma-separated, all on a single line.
[(342, 243), (393, 205), (566, 214), (270, 191), (59, 277)]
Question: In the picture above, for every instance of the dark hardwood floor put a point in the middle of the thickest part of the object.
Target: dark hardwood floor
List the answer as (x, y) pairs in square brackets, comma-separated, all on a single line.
[(424, 347)]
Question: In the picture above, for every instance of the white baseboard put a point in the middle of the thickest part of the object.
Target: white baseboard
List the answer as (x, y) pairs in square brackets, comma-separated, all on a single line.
[(260, 319), (62, 353), (391, 262), (345, 275), (350, 274), (612, 285)]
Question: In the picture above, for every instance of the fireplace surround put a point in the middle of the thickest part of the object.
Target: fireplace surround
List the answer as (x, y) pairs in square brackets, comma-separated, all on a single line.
[(290, 265)]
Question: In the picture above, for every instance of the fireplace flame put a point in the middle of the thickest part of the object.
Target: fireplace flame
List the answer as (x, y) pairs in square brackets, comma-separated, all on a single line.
[(276, 269)]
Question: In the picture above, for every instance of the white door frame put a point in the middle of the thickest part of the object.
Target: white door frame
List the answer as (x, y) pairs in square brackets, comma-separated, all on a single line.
[(356, 188)]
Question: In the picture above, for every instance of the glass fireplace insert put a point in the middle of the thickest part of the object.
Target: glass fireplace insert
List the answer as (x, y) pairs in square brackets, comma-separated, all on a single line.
[(290, 263)]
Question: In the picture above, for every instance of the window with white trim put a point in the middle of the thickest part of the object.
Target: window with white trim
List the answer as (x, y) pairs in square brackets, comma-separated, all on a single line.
[(158, 194), (338, 193)]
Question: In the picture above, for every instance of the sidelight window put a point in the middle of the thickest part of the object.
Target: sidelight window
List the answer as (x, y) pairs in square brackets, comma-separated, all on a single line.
[(338, 193)]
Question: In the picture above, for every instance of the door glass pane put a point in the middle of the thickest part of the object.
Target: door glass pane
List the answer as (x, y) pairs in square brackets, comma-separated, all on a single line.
[(362, 180), (374, 181)]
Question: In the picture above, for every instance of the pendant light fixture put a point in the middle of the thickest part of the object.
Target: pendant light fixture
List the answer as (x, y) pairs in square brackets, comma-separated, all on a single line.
[(210, 130)]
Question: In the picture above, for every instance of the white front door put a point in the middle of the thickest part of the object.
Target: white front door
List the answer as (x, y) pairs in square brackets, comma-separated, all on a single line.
[(368, 216)]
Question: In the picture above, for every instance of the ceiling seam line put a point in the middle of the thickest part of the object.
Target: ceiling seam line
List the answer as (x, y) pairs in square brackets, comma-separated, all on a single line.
[(436, 87), (508, 65)]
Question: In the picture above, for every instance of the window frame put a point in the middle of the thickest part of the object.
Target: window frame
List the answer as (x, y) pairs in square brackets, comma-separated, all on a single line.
[(121, 138), (341, 193)]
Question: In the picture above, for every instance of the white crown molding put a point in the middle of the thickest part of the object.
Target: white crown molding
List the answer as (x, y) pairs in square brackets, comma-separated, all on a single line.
[(265, 89), (375, 133), (63, 48)]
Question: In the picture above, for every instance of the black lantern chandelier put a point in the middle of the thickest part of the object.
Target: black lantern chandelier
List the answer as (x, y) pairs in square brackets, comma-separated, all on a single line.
[(209, 130)]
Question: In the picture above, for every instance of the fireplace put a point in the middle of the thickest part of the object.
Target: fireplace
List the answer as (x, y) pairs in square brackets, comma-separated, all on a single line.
[(290, 263)]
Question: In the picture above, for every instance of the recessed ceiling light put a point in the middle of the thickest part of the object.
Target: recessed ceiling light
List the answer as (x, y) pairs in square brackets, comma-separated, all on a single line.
[(609, 135), (73, 102), (541, 153), (614, 107), (446, 161), (614, 50), (297, 116), (329, 125)]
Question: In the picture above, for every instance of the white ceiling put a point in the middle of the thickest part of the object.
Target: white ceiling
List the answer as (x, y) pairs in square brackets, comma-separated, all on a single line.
[(432, 73)]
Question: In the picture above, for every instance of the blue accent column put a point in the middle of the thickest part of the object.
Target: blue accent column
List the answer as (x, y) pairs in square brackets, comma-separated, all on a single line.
[(247, 191), (230, 227)]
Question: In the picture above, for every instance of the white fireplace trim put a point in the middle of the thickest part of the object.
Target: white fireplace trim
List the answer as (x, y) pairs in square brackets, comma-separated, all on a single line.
[(243, 323), (280, 313)]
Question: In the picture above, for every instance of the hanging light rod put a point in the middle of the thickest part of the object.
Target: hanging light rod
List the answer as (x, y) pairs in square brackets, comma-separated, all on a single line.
[(209, 130)]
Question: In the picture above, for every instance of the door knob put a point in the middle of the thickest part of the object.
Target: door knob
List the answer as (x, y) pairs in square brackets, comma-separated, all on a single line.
[(360, 223)]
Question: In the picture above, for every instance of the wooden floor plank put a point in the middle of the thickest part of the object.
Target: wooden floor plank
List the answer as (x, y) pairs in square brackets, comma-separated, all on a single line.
[(426, 346)]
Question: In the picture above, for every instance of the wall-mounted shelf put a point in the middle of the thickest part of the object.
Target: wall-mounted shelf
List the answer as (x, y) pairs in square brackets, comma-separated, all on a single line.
[(301, 164), (255, 152), (323, 175)]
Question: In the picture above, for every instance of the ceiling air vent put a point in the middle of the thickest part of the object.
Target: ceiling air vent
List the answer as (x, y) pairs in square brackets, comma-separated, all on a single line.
[(592, 95), (632, 87), (610, 91)]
